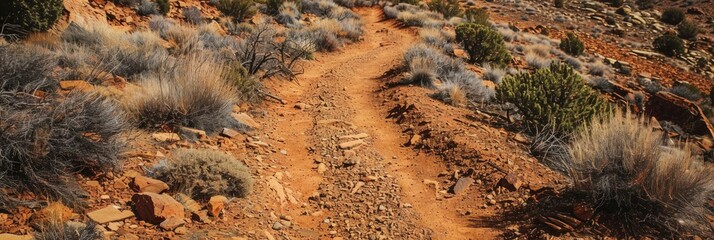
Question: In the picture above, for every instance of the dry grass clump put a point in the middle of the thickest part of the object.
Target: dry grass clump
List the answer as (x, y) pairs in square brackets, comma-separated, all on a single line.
[(426, 65), (598, 68), (204, 173), (436, 38), (412, 15), (192, 93), (629, 173), (288, 15), (26, 68), (493, 74), (45, 141), (536, 61), (451, 93), (69, 230)]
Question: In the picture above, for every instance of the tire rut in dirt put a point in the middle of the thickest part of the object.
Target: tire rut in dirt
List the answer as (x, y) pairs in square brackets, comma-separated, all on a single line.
[(364, 199)]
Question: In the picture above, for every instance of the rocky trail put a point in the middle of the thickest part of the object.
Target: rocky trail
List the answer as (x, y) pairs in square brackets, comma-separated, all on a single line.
[(348, 160)]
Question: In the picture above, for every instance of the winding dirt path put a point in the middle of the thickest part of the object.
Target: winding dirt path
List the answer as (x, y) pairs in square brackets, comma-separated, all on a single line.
[(376, 189)]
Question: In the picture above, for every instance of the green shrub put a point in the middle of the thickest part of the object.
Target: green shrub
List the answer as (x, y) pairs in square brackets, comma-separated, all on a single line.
[(164, 6), (33, 15), (483, 44), (645, 4), (669, 45), (559, 3), (572, 45), (238, 9), (687, 30), (554, 97), (448, 8), (478, 16), (204, 173), (672, 16)]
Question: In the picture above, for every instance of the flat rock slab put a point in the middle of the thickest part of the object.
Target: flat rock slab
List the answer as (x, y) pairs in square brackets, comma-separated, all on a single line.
[(354, 136), (166, 137), (351, 144), (246, 120), (109, 214)]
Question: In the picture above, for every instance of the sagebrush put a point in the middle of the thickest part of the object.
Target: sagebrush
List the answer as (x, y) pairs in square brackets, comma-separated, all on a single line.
[(204, 173)]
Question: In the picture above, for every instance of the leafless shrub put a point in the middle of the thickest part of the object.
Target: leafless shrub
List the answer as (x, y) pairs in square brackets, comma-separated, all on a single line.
[(260, 52), (193, 93), (629, 173), (204, 173), (45, 141), (26, 68)]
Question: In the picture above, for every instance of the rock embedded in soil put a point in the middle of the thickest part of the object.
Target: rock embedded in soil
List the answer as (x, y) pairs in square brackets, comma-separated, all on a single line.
[(166, 137), (55, 212), (351, 144), (156, 208), (146, 184), (511, 182), (172, 223), (246, 120), (230, 133), (109, 214), (462, 185)]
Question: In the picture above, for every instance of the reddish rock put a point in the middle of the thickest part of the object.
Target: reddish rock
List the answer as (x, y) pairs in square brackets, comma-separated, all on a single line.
[(172, 223), (511, 182), (246, 120), (216, 205), (145, 184), (109, 214), (156, 208), (689, 116)]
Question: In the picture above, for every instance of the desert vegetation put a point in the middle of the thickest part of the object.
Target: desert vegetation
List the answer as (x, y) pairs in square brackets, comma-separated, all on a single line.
[(204, 173), (162, 103)]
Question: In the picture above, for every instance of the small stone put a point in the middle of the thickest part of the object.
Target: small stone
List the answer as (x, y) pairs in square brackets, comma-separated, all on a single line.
[(277, 226), (321, 168), (93, 183), (181, 230), (462, 184), (104, 197), (283, 152), (227, 132), (301, 106), (415, 139), (146, 184), (511, 182), (114, 226), (357, 187), (216, 205)]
